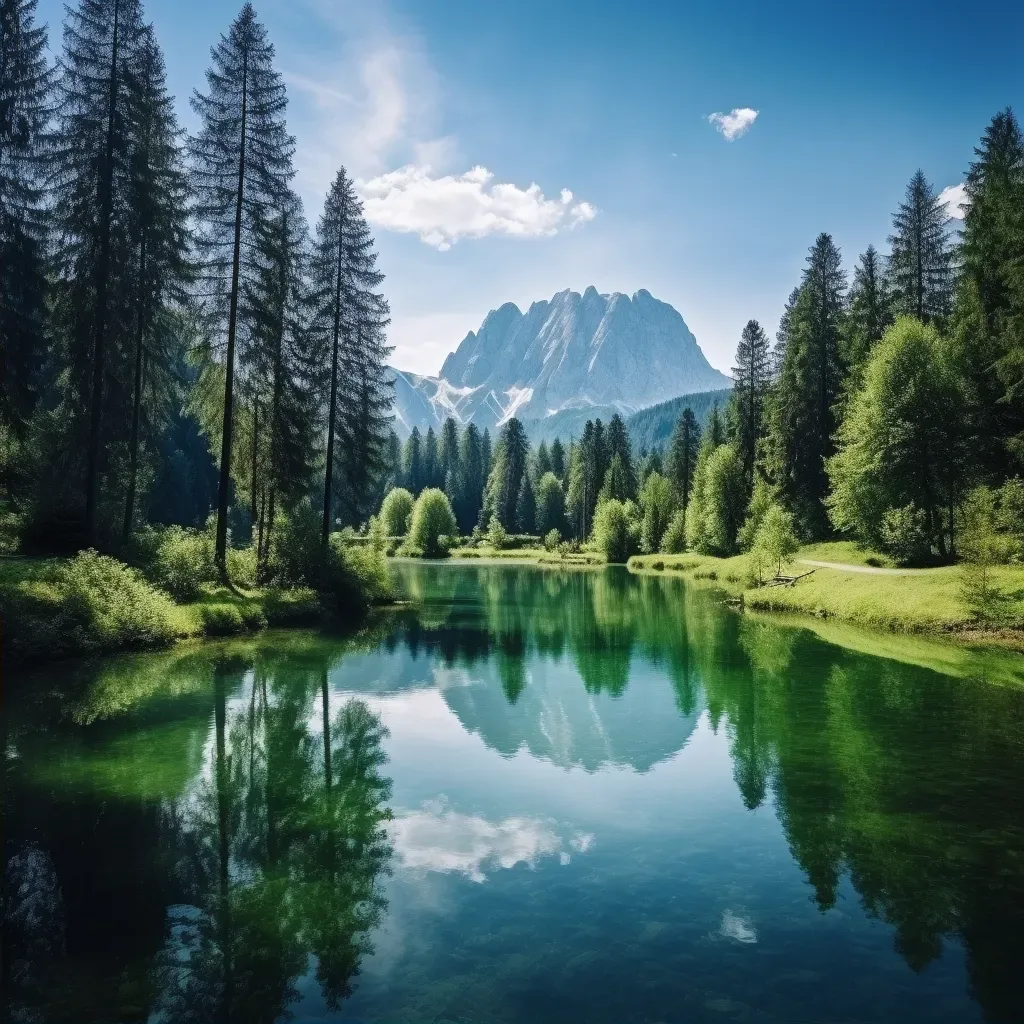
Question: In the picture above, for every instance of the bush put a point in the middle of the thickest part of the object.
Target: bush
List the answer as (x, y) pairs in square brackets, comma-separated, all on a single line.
[(88, 604), (396, 512), (243, 567), (616, 532), (775, 542), (904, 535), (983, 546), (432, 523), (674, 541), (550, 513), (656, 500), (551, 540), (183, 563), (497, 535), (760, 502)]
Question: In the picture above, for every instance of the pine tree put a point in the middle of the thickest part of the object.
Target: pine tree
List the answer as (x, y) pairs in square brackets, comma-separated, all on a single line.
[(587, 469), (25, 96), (987, 327), (349, 316), (241, 166), (487, 452), (448, 458), (471, 479), (752, 380), (543, 459), (526, 506), (505, 480), (619, 445), (159, 233), (682, 455), (558, 461), (802, 420), (868, 313), (715, 430), (414, 480), (778, 355), (431, 463), (921, 264), (91, 163)]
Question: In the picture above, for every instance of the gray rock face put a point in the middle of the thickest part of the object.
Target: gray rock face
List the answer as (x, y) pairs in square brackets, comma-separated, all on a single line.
[(606, 352)]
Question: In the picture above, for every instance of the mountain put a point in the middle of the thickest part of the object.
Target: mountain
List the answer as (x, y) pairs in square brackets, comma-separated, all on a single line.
[(574, 356)]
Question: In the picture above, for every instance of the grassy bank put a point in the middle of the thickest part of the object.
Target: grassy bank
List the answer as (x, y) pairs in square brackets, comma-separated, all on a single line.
[(535, 555), (904, 601), (65, 607)]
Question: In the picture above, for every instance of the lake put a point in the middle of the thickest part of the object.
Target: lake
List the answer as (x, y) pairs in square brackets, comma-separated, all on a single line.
[(531, 796)]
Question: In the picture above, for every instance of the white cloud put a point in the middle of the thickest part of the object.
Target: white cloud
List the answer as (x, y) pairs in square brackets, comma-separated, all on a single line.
[(737, 928), (734, 124), (954, 198), (443, 209), (438, 839)]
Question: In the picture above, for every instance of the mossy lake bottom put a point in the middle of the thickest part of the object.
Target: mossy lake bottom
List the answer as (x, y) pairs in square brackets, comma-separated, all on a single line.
[(530, 795)]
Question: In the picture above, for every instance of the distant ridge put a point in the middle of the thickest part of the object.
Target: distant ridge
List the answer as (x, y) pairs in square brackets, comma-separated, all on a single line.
[(651, 428)]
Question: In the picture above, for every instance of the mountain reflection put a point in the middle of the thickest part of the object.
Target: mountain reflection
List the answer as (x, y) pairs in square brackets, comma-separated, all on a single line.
[(205, 835)]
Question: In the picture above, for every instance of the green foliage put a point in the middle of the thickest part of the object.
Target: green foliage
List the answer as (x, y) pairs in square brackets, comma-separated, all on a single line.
[(899, 444), (682, 455), (982, 547), (904, 534), (657, 502), (775, 542), (551, 540), (396, 512), (674, 540), (616, 531), (716, 509), (752, 377), (550, 505), (760, 501), (497, 536), (501, 495), (433, 522), (183, 562), (619, 482)]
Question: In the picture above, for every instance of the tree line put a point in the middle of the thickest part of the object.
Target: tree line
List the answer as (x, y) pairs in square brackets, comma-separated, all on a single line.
[(157, 287)]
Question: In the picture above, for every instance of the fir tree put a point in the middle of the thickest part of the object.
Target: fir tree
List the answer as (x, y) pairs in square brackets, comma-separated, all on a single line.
[(471, 479), (752, 379), (526, 506), (91, 179), (921, 264), (159, 232), (543, 459), (587, 469), (868, 314), (414, 479), (558, 459), (501, 495), (241, 165), (652, 463), (715, 430), (448, 459), (431, 462), (619, 445), (487, 453), (778, 355), (25, 95), (682, 455)]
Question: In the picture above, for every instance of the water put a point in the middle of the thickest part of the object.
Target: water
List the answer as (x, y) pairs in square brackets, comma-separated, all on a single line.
[(546, 797)]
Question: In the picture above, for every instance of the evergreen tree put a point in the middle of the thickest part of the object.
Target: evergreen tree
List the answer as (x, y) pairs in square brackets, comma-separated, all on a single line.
[(241, 166), (682, 455), (543, 459), (558, 461), (448, 459), (752, 379), (921, 264), (619, 484), (25, 95), (160, 238), (987, 330), (526, 506), (620, 446), (550, 505), (350, 317), (587, 469), (414, 479), (778, 355), (802, 418), (431, 463), (868, 313), (501, 495), (471, 479), (91, 164), (652, 463), (715, 430), (487, 453)]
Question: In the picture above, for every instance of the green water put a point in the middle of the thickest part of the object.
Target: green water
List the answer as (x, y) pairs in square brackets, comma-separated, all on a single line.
[(533, 797)]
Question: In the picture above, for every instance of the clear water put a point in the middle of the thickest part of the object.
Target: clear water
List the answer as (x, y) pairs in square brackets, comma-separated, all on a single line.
[(598, 798)]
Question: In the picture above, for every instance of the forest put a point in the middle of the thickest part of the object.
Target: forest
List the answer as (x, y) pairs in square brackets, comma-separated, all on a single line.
[(889, 411), (192, 380)]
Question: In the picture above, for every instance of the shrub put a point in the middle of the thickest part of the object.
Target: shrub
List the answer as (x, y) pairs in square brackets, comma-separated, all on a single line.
[(183, 563), (432, 523), (396, 512), (904, 534), (674, 541), (656, 501), (243, 567), (368, 565), (982, 547), (616, 532), (497, 535), (760, 501), (551, 540), (550, 514), (88, 604), (775, 542)]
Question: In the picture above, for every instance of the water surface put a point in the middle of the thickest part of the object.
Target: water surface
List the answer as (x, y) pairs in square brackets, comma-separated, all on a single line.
[(535, 797)]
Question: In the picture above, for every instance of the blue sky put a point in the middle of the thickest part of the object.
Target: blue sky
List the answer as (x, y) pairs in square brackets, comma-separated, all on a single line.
[(611, 102)]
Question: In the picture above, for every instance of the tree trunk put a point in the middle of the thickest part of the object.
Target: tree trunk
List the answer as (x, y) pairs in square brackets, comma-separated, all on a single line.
[(106, 203), (133, 463), (332, 415), (229, 381)]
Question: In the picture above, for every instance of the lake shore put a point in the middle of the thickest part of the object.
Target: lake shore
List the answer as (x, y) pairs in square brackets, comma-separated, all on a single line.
[(846, 584)]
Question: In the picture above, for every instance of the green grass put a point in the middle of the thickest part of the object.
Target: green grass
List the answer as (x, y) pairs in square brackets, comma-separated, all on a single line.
[(918, 602), (538, 556)]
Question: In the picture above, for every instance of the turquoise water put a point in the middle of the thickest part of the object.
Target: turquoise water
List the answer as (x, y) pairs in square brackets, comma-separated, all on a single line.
[(542, 797)]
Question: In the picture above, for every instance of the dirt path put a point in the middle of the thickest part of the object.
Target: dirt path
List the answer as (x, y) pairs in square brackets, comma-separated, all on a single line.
[(871, 570)]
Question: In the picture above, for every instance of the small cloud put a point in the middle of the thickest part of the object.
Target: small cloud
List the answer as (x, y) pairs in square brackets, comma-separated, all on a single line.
[(734, 124), (737, 928), (441, 209), (954, 198)]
